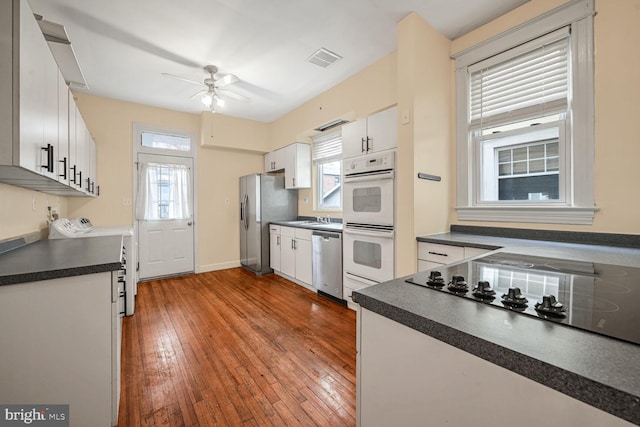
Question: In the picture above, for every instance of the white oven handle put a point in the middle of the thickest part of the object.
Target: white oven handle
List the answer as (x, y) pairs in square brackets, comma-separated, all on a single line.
[(373, 176), (359, 279), (385, 234)]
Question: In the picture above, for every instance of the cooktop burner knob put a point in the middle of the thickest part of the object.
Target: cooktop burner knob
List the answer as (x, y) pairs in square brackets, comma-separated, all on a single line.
[(458, 285), (550, 306), (484, 290), (514, 298), (435, 279)]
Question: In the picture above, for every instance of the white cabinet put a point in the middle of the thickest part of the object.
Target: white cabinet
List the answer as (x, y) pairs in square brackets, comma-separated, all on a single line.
[(406, 377), (377, 132), (60, 343), (34, 112), (274, 247), (274, 161), (295, 160), (295, 254), (433, 255)]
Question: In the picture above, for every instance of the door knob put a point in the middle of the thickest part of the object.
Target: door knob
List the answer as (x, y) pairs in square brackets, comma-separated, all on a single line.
[(190, 223)]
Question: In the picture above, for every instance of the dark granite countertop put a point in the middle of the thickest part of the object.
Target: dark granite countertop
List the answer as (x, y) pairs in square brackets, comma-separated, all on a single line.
[(52, 259), (600, 371)]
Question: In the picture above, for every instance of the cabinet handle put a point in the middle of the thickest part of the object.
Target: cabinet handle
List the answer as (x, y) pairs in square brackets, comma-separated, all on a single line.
[(294, 182), (368, 148), (49, 165), (362, 145), (277, 240), (438, 253), (93, 187), (72, 177), (64, 168), (88, 185), (79, 181), (97, 190)]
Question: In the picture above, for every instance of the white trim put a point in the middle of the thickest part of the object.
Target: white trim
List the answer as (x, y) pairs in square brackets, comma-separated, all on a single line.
[(217, 266), (551, 20), (545, 215)]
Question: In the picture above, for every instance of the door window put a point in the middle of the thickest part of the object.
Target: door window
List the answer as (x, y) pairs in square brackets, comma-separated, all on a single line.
[(163, 192)]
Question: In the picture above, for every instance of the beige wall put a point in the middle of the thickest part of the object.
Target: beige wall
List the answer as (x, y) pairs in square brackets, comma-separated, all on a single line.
[(24, 211), (617, 88), (424, 136), (371, 90), (111, 125)]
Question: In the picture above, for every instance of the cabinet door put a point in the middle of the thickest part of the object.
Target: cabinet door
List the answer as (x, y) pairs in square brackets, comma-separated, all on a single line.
[(274, 251), (268, 162), (48, 152), (287, 256), (382, 130), (80, 151), (32, 89), (297, 166), (62, 154), (354, 136), (304, 271)]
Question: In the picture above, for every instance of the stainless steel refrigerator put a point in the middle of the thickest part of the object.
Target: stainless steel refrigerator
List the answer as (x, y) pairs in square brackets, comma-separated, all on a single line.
[(263, 199)]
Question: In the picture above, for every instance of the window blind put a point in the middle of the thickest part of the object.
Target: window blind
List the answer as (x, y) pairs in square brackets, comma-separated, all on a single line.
[(521, 83), (327, 147)]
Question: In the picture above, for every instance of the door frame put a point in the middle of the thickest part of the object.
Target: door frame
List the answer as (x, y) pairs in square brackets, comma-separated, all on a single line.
[(138, 128)]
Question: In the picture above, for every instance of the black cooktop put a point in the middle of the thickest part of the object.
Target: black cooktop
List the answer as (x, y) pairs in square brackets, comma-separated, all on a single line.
[(600, 298)]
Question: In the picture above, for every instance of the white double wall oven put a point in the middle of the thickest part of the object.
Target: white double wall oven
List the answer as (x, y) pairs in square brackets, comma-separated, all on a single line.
[(369, 220)]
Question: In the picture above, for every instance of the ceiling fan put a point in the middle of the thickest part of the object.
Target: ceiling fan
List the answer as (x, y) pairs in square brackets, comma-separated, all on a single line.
[(213, 95)]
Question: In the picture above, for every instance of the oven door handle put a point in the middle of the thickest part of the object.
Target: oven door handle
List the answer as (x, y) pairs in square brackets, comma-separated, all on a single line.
[(373, 176), (359, 279), (385, 234)]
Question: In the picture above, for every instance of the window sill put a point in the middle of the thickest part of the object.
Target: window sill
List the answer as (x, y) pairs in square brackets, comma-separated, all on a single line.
[(535, 214)]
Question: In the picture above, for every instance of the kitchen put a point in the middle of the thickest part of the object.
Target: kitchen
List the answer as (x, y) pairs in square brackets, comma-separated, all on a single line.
[(425, 143)]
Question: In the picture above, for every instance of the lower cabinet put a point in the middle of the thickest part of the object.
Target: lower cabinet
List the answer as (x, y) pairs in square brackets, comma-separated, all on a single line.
[(60, 344), (434, 255), (407, 378), (294, 255), (274, 247)]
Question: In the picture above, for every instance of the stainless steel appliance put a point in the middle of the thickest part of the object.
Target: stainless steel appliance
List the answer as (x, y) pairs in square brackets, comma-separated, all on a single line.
[(600, 298), (369, 221), (263, 199), (327, 263)]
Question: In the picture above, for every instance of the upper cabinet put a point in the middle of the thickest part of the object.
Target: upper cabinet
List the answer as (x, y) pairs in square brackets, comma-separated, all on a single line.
[(34, 111), (377, 132), (295, 160)]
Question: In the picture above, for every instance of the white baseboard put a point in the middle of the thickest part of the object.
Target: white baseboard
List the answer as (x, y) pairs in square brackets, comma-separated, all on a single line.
[(219, 266)]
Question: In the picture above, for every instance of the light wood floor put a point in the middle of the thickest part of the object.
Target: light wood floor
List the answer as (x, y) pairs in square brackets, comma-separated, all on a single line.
[(231, 348)]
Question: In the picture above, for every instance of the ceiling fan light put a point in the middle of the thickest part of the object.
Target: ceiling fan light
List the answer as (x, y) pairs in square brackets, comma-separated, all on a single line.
[(219, 102), (207, 100)]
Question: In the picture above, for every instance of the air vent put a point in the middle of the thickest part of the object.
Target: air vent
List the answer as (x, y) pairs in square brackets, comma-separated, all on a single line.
[(331, 125), (323, 57)]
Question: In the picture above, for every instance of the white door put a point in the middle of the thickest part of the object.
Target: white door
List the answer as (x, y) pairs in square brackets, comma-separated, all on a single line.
[(164, 214)]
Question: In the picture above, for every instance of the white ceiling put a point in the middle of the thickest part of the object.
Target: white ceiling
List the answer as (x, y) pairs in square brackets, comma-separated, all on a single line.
[(123, 46)]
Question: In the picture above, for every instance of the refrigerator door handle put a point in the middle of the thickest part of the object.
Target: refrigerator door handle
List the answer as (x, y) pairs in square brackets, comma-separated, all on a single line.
[(242, 210), (246, 212)]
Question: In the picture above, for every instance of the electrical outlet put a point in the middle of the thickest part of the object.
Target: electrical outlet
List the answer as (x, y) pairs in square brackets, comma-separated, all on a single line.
[(126, 201)]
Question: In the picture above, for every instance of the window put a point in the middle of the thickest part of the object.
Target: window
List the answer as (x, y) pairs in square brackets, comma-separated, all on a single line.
[(525, 122), (166, 142), (327, 159), (163, 192)]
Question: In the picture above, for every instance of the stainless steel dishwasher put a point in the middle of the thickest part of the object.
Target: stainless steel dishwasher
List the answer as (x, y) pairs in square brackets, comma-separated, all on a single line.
[(327, 263)]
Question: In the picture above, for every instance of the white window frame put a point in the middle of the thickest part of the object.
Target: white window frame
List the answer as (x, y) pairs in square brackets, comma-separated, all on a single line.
[(578, 206), (317, 163)]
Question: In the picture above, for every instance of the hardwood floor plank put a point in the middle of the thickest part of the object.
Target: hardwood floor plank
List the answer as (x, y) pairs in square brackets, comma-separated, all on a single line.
[(232, 348)]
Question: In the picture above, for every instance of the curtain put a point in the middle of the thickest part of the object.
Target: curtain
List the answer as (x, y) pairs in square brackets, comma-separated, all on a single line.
[(164, 192)]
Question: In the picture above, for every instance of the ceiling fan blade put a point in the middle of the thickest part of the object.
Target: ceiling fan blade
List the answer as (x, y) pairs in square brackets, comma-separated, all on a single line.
[(226, 79), (234, 95), (202, 92), (183, 79)]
